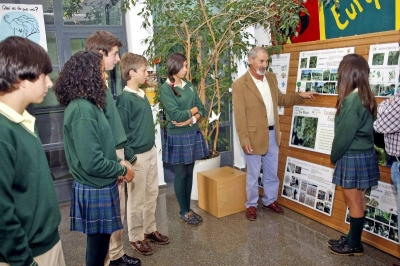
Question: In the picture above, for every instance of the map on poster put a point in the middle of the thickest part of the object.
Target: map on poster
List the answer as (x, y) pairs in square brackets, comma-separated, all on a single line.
[(309, 184), (23, 20), (318, 70), (381, 214), (384, 64), (280, 66), (312, 128)]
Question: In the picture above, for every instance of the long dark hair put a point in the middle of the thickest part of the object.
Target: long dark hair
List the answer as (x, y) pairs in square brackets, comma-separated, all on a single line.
[(353, 73), (82, 77), (174, 65), (21, 59)]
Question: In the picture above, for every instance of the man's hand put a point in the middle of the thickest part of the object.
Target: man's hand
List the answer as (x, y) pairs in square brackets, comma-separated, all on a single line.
[(247, 149), (308, 95)]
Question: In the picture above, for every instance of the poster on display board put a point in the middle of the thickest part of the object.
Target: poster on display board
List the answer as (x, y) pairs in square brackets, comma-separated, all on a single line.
[(312, 128), (317, 70), (309, 184), (23, 20), (381, 213), (280, 66), (384, 64)]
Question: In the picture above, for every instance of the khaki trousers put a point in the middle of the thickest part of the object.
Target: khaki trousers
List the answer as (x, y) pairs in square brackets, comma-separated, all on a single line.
[(142, 196), (116, 249), (55, 257)]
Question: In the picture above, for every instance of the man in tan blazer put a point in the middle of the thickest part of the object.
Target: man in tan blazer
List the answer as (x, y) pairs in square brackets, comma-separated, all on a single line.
[(256, 98)]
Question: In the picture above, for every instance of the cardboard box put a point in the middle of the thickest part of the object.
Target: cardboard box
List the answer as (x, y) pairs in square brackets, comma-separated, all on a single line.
[(222, 191)]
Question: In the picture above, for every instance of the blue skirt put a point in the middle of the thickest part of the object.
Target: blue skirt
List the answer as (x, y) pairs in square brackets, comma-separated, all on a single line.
[(95, 210), (184, 148), (357, 170)]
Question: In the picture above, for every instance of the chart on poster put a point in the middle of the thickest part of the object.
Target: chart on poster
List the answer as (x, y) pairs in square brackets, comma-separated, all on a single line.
[(280, 66), (384, 64), (381, 213), (318, 70), (309, 184), (312, 128)]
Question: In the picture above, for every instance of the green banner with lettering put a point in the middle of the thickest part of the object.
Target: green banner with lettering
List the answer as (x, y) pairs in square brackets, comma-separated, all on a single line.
[(354, 17)]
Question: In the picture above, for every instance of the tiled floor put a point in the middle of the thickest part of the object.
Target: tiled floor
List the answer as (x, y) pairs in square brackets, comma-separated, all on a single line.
[(289, 239)]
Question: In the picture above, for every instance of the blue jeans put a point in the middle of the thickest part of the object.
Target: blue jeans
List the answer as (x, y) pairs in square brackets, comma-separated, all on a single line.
[(269, 162), (396, 183)]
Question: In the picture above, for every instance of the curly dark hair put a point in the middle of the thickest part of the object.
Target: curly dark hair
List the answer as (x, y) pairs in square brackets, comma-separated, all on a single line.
[(21, 59), (82, 77)]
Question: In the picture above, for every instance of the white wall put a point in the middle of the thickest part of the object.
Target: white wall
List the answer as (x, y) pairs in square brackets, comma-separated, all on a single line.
[(135, 35)]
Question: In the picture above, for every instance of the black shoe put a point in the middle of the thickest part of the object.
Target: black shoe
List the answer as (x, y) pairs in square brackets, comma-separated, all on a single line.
[(346, 250), (196, 215), (337, 242), (189, 219), (125, 260)]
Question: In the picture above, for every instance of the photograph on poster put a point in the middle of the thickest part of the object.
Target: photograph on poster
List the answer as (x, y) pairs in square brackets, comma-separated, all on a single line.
[(316, 68), (381, 212), (312, 128), (309, 185), (384, 63)]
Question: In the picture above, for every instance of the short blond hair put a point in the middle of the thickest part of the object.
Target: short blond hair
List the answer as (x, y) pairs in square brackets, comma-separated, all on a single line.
[(131, 61)]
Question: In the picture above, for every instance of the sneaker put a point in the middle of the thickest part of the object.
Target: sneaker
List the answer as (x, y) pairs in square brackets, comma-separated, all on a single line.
[(196, 215), (157, 238), (142, 247), (346, 250), (189, 219), (126, 260), (337, 242)]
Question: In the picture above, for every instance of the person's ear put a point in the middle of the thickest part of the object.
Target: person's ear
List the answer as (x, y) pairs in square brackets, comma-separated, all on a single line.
[(102, 52), (132, 72)]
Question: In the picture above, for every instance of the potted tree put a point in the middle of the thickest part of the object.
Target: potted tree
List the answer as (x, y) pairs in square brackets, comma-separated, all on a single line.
[(212, 35)]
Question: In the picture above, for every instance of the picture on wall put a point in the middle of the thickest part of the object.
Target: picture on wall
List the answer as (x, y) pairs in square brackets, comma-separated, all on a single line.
[(381, 213), (317, 70), (280, 66), (384, 64), (309, 184), (312, 128)]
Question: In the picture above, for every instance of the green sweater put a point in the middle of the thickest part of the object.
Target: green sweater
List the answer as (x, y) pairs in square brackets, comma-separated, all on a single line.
[(354, 131), (178, 108), (114, 120), (137, 119), (89, 145), (28, 202)]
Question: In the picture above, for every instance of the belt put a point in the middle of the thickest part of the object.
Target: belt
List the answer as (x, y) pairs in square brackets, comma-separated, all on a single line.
[(271, 127)]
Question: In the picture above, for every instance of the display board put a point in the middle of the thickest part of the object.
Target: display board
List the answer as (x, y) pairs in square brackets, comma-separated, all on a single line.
[(280, 66), (309, 184), (384, 64), (362, 45), (312, 128)]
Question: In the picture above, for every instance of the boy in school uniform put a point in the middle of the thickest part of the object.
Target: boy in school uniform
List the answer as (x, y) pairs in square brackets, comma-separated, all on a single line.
[(29, 209), (108, 45), (137, 119)]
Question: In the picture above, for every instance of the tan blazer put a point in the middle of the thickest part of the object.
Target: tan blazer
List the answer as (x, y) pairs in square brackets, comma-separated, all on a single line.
[(250, 113)]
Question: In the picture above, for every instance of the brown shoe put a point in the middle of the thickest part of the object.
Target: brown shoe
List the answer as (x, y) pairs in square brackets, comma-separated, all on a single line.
[(251, 213), (142, 247), (157, 238), (275, 207)]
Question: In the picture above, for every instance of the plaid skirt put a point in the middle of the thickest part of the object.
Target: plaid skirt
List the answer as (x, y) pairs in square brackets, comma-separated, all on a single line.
[(95, 210), (357, 170), (184, 148)]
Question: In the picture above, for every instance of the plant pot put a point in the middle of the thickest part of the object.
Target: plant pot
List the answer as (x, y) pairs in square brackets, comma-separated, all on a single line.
[(200, 166)]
